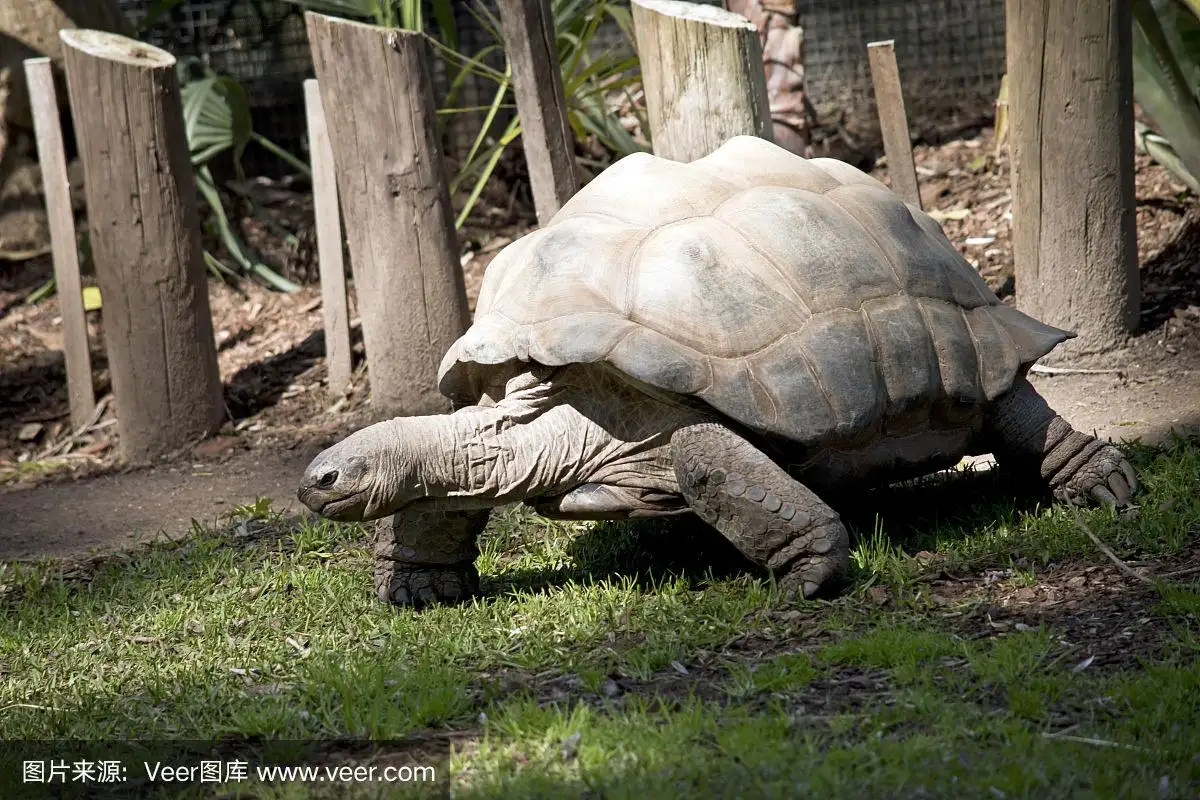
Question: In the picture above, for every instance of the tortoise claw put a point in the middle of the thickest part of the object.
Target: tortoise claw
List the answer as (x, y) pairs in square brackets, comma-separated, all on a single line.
[(1106, 476), (1104, 496), (1130, 476), (418, 586)]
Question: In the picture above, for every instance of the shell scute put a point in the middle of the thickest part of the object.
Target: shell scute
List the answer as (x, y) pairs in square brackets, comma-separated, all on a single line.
[(681, 285), (838, 345), (958, 368), (908, 362), (820, 265), (799, 297)]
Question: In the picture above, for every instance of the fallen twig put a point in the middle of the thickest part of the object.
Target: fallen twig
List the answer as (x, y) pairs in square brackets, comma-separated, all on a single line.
[(1179, 573), (1042, 369), (1097, 742), (28, 705), (1124, 568), (93, 424)]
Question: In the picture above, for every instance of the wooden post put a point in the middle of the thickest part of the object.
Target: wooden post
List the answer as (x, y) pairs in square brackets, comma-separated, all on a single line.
[(893, 121), (43, 100), (782, 39), (538, 86), (1070, 94), (702, 71), (329, 245), (145, 236), (379, 104)]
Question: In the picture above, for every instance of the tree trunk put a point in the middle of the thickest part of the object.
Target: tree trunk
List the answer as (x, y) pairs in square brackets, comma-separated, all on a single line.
[(703, 77), (145, 236), (782, 37), (379, 106), (28, 29), (1070, 72), (537, 83)]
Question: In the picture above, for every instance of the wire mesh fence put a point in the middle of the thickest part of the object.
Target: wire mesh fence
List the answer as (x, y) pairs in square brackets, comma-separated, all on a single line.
[(950, 53), (263, 44)]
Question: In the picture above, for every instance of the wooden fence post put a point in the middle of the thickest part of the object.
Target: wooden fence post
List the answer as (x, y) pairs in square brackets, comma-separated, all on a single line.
[(893, 121), (380, 109), (144, 227), (330, 249), (43, 101), (538, 86), (702, 71), (1070, 96)]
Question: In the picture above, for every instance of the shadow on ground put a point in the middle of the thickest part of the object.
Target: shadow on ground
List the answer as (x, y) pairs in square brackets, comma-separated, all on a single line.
[(921, 515), (1171, 279), (650, 551), (259, 386)]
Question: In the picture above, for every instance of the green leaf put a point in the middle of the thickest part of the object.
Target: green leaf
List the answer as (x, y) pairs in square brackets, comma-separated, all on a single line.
[(216, 117), (1161, 151), (42, 292), (1161, 87), (509, 135), (355, 9), (1181, 28), (443, 13), (240, 252)]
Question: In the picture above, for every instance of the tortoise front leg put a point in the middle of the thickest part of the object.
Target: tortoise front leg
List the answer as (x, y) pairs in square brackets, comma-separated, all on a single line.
[(773, 519), (1023, 430), (425, 554)]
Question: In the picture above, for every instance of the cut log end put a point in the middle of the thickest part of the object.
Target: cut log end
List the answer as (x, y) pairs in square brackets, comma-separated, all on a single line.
[(394, 35), (115, 47), (694, 12)]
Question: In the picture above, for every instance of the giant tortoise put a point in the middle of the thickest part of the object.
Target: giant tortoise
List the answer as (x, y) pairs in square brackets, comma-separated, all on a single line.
[(733, 338)]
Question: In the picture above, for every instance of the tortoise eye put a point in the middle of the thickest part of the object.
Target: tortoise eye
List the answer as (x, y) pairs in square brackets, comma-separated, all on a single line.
[(328, 480)]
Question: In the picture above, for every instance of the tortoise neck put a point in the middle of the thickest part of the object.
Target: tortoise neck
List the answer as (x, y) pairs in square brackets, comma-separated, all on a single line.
[(495, 453)]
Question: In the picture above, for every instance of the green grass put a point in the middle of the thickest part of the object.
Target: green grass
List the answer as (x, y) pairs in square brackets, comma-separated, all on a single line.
[(648, 660)]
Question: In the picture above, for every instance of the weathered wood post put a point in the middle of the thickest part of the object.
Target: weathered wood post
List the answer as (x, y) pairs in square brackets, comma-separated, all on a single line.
[(47, 125), (380, 109), (1070, 94), (144, 227), (893, 121), (538, 86), (330, 259), (782, 40), (702, 71)]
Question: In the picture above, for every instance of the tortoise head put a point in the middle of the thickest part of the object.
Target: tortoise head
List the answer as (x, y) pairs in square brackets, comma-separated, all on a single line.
[(368, 475)]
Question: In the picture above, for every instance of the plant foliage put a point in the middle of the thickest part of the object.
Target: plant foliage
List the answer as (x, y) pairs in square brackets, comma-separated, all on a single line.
[(217, 114), (216, 117), (587, 76), (1166, 63)]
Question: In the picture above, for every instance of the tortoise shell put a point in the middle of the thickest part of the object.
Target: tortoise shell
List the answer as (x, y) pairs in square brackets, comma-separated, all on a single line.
[(800, 297)]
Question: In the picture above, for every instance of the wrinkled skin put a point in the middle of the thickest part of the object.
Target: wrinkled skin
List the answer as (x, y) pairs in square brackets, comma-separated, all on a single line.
[(585, 443)]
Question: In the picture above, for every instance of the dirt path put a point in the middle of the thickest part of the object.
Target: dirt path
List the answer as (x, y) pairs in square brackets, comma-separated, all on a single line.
[(119, 510), (1144, 405)]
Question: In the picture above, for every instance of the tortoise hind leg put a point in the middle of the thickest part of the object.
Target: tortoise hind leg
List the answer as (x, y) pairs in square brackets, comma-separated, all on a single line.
[(774, 520), (596, 501), (1024, 431)]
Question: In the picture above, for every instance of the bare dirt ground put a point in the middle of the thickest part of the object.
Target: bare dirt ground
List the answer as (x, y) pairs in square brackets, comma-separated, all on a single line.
[(63, 494)]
